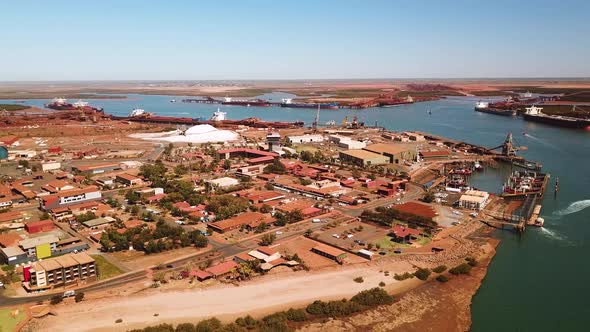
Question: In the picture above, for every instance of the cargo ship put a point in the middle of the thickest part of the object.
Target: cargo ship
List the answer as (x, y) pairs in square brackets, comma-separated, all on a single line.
[(395, 101), (534, 114), (484, 107), (61, 104), (245, 102), (218, 119), (523, 183), (287, 102)]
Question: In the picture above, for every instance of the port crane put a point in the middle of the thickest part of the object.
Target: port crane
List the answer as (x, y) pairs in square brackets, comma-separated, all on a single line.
[(509, 149), (316, 121)]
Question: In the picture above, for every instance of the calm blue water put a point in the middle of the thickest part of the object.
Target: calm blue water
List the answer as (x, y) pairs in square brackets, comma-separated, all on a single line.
[(537, 282)]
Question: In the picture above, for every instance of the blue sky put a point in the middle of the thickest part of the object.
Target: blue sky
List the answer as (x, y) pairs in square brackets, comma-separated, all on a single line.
[(119, 40)]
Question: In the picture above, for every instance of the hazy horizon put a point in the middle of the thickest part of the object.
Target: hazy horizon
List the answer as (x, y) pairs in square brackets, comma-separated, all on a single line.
[(294, 40)]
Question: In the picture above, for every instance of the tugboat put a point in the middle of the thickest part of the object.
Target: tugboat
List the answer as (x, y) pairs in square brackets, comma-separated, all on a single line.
[(534, 114)]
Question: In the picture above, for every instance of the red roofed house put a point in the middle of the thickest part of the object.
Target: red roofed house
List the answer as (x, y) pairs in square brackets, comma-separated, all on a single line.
[(403, 234), (54, 150), (57, 185), (248, 219), (11, 216), (9, 239), (128, 179), (156, 198), (9, 140), (222, 269), (200, 275)]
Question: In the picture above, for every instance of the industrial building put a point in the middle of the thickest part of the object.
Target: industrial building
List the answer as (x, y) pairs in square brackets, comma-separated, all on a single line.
[(362, 158), (309, 138), (221, 183), (395, 152), (474, 199), (39, 226), (96, 169)]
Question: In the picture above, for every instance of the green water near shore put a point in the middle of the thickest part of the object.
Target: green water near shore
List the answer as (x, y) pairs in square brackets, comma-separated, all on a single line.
[(537, 281)]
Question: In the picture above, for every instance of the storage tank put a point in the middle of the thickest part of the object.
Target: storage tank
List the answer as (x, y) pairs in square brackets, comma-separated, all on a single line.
[(3, 153)]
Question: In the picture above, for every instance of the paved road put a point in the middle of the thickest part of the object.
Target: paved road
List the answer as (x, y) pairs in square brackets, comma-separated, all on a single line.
[(218, 249)]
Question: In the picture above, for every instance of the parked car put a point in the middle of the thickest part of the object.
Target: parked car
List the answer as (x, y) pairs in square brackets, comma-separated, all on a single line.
[(69, 293), (278, 232), (336, 236)]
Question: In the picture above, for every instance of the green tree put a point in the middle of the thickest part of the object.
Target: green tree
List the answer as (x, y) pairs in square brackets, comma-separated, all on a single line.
[(267, 239)]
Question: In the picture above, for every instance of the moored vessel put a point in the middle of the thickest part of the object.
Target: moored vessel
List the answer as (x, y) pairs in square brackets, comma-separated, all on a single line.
[(62, 104), (245, 102), (535, 114), (484, 107), (288, 102)]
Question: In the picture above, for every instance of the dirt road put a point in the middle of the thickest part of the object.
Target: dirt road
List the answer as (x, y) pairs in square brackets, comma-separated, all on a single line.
[(268, 293)]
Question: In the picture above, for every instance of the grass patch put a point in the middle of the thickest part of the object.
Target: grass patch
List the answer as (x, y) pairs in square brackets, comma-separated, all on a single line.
[(105, 268), (387, 243), (9, 323), (301, 148), (13, 107)]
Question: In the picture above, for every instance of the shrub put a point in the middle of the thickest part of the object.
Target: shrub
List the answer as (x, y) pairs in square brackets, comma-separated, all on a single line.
[(56, 299), (79, 296), (296, 315), (333, 308), (461, 269), (185, 327), (471, 261), (208, 325), (119, 320), (422, 274), (381, 284), (160, 328), (372, 297), (442, 278), (359, 280), (400, 277), (248, 322), (440, 269)]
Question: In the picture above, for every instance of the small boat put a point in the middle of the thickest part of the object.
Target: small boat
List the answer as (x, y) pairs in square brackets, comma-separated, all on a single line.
[(530, 165), (539, 222)]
